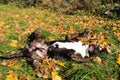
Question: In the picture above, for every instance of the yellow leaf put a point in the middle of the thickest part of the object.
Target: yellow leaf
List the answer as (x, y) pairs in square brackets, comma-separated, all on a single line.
[(1, 35), (55, 76), (95, 36), (118, 60), (97, 59), (2, 23), (115, 28), (102, 37), (108, 50), (8, 62), (73, 64), (10, 72), (119, 21), (4, 63), (61, 64), (14, 43), (54, 73), (16, 66), (12, 76)]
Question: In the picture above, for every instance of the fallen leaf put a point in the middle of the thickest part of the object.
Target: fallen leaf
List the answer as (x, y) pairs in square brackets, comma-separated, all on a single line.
[(119, 21), (73, 64), (12, 76), (16, 66), (4, 63), (0, 75), (45, 76), (55, 76), (118, 60), (10, 71), (109, 79), (105, 63), (39, 75), (115, 28), (2, 23), (97, 59), (54, 73), (14, 43), (57, 68), (22, 77), (108, 50), (61, 64), (8, 62)]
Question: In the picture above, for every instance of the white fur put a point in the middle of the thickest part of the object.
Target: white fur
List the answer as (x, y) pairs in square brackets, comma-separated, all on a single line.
[(77, 46), (38, 45)]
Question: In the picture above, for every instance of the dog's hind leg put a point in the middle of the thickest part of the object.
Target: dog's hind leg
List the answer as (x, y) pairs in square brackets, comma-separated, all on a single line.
[(75, 35), (16, 55)]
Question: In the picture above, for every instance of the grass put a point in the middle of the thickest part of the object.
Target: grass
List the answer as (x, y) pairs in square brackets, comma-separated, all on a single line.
[(17, 23)]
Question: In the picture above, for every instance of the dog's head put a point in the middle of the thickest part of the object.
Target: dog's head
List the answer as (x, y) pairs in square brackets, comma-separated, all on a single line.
[(37, 36), (92, 49)]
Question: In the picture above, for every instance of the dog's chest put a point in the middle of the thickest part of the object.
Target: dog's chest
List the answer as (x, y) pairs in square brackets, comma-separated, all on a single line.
[(78, 47)]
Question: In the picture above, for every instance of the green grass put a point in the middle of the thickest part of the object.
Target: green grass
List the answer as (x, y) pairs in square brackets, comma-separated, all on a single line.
[(20, 22)]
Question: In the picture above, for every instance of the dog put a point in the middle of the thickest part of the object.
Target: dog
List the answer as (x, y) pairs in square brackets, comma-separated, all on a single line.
[(71, 48)]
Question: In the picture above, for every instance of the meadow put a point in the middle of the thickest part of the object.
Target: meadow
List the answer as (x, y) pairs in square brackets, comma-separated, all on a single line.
[(16, 24)]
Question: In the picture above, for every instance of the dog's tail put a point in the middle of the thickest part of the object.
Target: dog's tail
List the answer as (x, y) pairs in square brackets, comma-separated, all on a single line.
[(16, 55)]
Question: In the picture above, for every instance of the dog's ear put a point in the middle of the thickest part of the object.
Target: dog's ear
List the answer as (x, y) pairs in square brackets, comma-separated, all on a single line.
[(92, 49), (33, 35)]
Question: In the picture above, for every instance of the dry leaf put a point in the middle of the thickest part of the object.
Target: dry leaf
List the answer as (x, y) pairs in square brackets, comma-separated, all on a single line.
[(10, 72), (55, 76), (73, 64), (97, 59), (61, 64), (45, 76), (8, 62), (39, 75), (0, 75), (2, 23), (105, 63), (16, 66), (4, 63), (12, 76), (118, 60), (14, 43), (22, 77), (108, 50), (57, 68)]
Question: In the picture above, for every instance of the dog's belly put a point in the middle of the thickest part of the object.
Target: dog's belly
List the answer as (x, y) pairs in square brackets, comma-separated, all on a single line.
[(78, 47)]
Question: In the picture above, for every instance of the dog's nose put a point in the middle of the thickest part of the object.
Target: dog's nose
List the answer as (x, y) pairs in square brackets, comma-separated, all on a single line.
[(103, 50)]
